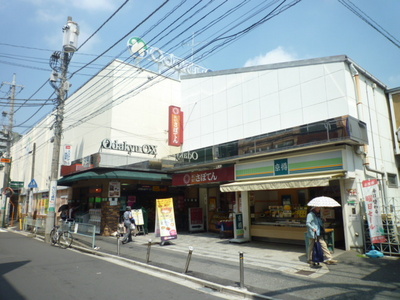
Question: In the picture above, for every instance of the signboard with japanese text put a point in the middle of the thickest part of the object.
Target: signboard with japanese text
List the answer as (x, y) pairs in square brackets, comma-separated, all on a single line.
[(239, 230), (175, 128), (281, 167), (209, 176), (165, 220), (296, 165), (372, 208), (67, 155)]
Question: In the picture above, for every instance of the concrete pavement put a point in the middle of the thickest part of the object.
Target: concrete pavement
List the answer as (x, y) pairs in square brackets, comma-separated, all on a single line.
[(271, 270)]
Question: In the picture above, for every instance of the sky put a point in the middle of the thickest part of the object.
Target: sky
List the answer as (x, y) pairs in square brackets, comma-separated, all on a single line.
[(216, 34)]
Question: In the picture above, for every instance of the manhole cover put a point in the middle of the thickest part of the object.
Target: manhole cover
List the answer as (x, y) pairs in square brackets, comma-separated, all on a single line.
[(304, 272)]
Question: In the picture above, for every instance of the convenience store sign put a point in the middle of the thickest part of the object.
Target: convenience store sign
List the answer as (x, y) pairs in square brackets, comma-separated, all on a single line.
[(307, 164)]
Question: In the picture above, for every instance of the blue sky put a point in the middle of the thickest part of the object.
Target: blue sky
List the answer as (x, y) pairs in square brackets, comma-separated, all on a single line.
[(31, 30)]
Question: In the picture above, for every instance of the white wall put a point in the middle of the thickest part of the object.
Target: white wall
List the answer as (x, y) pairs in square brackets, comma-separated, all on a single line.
[(22, 155), (233, 106), (108, 106)]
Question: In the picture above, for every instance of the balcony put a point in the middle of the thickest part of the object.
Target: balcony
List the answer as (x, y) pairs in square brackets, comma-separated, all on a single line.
[(341, 130)]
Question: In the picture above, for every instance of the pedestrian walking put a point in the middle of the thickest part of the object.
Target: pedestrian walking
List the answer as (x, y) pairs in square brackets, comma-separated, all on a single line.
[(315, 231), (129, 223)]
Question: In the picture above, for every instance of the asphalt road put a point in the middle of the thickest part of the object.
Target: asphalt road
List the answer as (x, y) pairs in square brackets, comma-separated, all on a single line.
[(31, 269)]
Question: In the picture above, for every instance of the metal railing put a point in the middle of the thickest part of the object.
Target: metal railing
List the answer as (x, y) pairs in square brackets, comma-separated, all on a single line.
[(83, 229)]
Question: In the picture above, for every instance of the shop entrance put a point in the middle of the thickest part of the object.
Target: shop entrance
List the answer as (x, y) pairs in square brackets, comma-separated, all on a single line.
[(280, 215)]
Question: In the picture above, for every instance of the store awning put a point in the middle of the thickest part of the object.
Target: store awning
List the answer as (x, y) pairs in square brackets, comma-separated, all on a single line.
[(282, 183), (117, 174)]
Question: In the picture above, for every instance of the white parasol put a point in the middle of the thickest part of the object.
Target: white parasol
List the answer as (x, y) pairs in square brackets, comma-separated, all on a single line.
[(323, 201)]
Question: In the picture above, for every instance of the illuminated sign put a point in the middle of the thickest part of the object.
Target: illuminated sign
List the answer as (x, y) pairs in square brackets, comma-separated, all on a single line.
[(140, 50)]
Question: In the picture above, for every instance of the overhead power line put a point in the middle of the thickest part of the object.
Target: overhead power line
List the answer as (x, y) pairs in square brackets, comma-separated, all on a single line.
[(224, 40), (102, 25), (124, 37), (363, 16)]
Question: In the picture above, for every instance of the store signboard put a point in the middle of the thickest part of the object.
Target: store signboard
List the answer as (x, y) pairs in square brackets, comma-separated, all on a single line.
[(374, 217), (281, 167), (201, 177), (175, 126), (140, 50), (303, 164), (239, 231), (165, 220), (67, 155)]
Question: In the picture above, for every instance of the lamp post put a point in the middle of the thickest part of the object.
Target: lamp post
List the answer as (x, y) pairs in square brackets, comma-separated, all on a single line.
[(59, 63)]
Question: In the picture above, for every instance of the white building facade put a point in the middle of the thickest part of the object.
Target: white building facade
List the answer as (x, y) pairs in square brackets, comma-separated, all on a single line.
[(118, 119), (275, 107), (280, 134)]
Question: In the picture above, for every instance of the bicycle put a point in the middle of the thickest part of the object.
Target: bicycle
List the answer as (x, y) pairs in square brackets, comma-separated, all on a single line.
[(61, 237)]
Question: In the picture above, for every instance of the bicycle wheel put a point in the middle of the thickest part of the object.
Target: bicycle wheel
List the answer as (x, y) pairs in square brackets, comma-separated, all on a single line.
[(65, 239), (53, 236)]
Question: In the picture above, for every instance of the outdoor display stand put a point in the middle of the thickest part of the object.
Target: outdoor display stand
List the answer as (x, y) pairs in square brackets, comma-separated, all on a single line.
[(165, 226), (238, 230), (139, 220)]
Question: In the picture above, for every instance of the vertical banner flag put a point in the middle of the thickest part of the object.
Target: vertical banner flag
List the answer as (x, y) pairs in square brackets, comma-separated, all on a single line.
[(175, 126), (165, 220), (376, 230), (67, 155)]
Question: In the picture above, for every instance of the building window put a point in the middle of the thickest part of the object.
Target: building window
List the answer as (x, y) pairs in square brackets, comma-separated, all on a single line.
[(392, 180)]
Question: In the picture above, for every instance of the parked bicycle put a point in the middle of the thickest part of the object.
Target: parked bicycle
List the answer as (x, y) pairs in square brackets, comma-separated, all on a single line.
[(61, 237)]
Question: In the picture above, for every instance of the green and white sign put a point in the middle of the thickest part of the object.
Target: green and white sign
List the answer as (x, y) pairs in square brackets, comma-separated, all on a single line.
[(305, 164)]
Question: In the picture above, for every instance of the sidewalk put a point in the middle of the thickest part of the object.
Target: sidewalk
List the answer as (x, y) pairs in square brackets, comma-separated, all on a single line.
[(278, 257), (271, 270)]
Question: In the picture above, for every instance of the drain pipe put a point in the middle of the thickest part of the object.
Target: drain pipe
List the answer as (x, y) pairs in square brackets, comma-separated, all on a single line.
[(356, 76), (358, 150)]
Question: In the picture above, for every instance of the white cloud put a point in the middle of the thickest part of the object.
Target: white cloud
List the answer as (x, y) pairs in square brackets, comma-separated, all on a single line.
[(274, 56)]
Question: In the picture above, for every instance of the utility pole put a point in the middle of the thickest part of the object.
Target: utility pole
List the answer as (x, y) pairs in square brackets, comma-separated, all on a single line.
[(7, 168), (30, 197), (58, 81)]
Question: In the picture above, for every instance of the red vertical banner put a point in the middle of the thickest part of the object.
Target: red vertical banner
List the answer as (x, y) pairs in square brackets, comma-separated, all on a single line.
[(175, 126), (181, 128), (373, 210)]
